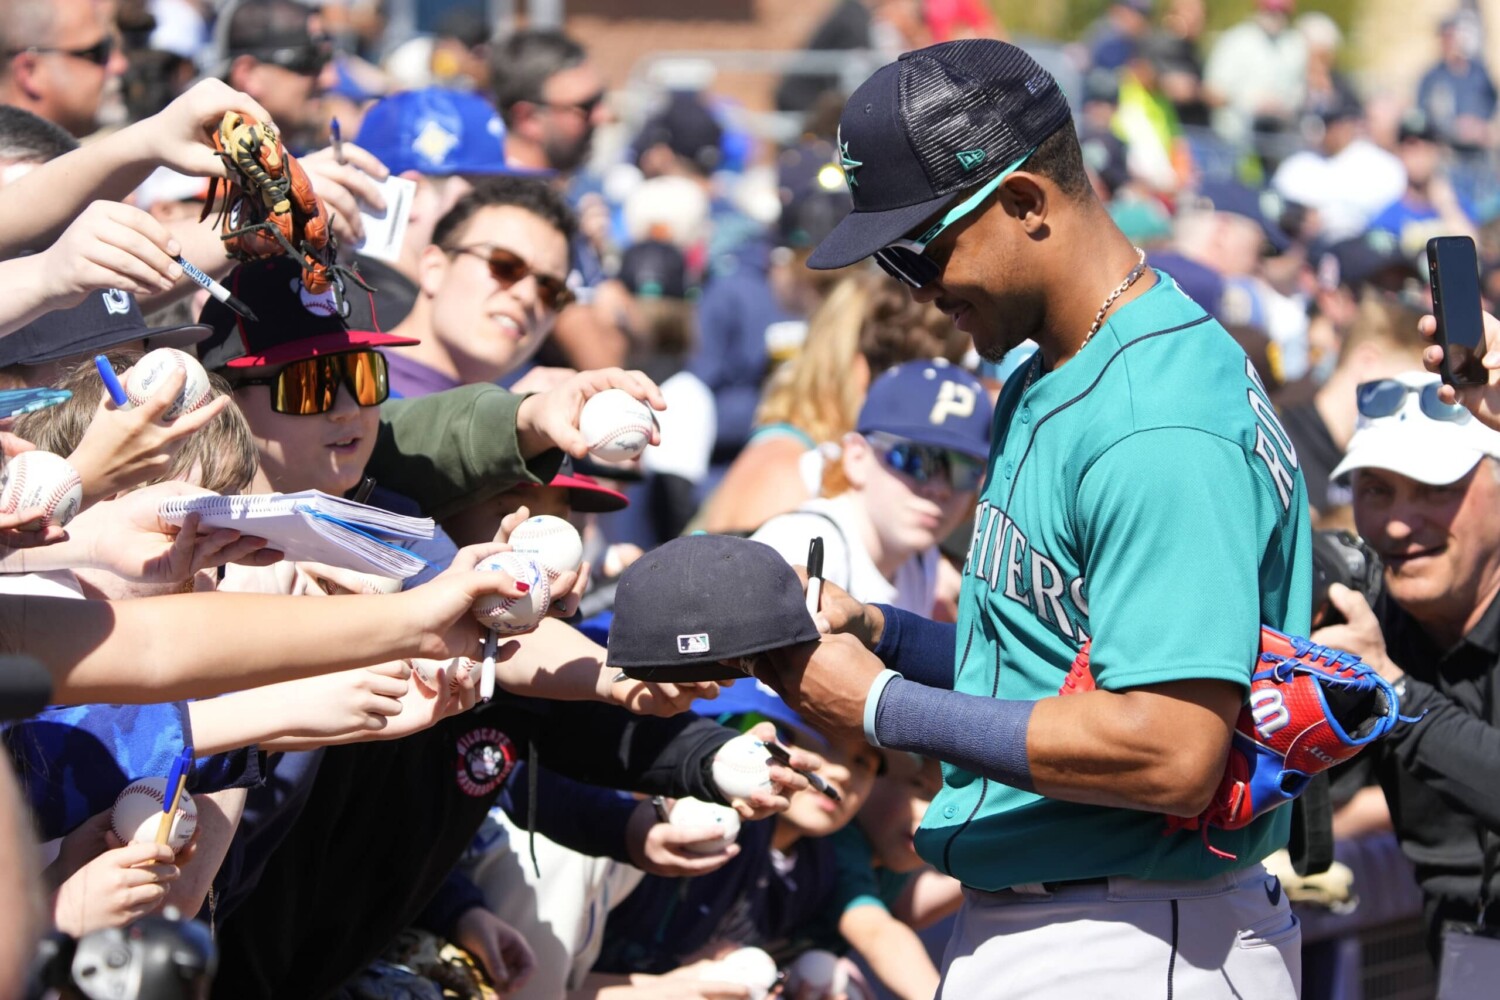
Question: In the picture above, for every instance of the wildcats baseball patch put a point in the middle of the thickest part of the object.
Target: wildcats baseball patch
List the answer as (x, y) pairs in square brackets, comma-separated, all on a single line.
[(485, 759)]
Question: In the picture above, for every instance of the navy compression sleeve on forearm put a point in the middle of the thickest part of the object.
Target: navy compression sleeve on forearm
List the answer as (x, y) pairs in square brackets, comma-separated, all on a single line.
[(984, 735), (917, 648)]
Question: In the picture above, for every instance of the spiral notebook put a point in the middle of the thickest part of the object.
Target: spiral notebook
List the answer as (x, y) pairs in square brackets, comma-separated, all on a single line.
[(316, 527)]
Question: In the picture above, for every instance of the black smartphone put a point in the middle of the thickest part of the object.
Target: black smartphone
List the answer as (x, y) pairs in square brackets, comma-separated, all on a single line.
[(1453, 270)]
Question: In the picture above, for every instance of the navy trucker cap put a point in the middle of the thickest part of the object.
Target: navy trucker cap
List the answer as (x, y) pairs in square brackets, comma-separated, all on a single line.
[(935, 123)]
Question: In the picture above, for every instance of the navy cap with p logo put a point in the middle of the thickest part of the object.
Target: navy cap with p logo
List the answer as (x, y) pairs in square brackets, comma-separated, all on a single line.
[(935, 123)]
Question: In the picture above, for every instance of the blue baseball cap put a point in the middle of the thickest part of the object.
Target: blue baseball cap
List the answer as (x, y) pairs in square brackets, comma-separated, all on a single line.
[(437, 133), (930, 126), (1263, 207), (930, 402), (748, 696)]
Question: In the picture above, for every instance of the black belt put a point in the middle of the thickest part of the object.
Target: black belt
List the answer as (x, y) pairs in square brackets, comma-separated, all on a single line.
[(1075, 883)]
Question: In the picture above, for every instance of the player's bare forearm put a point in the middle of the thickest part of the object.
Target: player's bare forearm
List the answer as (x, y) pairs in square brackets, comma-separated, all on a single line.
[(894, 952), (236, 720), (1160, 748)]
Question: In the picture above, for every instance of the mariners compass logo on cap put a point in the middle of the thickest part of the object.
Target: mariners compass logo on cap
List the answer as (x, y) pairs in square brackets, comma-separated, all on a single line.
[(847, 162)]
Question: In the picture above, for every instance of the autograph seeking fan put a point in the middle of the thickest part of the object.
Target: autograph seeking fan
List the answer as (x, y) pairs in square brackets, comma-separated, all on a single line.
[(270, 207)]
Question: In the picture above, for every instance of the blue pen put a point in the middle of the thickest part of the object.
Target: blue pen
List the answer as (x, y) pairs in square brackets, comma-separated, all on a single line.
[(111, 381), (338, 140), (176, 779)]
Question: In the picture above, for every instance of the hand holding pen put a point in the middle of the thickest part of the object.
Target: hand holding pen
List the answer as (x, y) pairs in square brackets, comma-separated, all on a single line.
[(784, 758)]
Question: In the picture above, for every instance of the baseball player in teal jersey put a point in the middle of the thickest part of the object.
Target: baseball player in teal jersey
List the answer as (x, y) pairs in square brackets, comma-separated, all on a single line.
[(1141, 498)]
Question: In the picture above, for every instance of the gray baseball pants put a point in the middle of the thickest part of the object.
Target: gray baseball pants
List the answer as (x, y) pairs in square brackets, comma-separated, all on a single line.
[(1231, 936)]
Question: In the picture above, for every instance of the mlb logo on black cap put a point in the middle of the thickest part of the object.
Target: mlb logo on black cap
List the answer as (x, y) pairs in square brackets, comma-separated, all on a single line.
[(935, 123), (688, 644)]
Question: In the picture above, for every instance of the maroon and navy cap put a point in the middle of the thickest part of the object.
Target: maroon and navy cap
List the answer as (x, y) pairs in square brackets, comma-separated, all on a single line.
[(935, 123), (294, 323)]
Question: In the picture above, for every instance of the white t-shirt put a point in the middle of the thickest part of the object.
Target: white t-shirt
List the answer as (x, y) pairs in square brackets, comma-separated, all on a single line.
[(846, 561)]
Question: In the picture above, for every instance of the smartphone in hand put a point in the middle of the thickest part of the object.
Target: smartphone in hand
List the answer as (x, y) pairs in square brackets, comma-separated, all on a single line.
[(1453, 269)]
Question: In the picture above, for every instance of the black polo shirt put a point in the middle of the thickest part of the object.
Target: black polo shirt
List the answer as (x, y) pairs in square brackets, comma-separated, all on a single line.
[(1441, 775)]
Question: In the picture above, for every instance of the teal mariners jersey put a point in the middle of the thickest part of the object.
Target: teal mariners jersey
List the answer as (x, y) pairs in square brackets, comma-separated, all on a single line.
[(1143, 496)]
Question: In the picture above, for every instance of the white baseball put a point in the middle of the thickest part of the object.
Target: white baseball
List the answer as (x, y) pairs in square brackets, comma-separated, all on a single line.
[(551, 542), (818, 972), (748, 967), (742, 767), (514, 615), (40, 480), (145, 378), (695, 814), (616, 425), (138, 809)]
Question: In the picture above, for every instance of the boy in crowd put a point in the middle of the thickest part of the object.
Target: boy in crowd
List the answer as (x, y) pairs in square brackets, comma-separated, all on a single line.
[(490, 286), (903, 481)]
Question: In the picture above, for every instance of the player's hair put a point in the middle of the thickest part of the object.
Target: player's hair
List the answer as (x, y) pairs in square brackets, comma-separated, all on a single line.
[(522, 63), (1060, 159), (1386, 322), (529, 193), (29, 138), (222, 454)]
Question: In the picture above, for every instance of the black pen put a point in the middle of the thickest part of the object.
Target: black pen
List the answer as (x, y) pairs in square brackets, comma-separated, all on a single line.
[(363, 490), (780, 753), (814, 574)]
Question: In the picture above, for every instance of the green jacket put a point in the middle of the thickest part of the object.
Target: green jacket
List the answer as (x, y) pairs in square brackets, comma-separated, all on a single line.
[(451, 450)]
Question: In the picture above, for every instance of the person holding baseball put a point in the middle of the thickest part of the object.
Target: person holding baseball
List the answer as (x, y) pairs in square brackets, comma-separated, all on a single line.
[(1140, 497)]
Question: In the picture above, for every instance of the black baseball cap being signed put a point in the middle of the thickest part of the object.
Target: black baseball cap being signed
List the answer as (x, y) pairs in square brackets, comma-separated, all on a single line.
[(933, 124), (684, 607)]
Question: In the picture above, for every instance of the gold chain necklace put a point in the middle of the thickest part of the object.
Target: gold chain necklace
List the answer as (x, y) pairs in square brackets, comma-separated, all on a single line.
[(1130, 279)]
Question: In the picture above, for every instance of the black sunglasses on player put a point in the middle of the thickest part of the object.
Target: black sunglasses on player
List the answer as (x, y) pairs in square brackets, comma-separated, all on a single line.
[(311, 386), (99, 53), (508, 268)]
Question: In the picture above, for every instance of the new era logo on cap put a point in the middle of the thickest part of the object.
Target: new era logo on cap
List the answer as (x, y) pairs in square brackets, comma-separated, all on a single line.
[(970, 158), (697, 643)]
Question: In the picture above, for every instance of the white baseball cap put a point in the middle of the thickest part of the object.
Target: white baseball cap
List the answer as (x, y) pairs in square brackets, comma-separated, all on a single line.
[(1405, 428)]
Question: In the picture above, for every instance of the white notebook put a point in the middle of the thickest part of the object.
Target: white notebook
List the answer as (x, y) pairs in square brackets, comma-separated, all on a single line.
[(315, 526)]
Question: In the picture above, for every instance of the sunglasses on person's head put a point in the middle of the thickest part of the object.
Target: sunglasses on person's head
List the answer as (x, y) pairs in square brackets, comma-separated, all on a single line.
[(906, 259), (311, 386), (307, 59), (1386, 396), (924, 463), (508, 268), (99, 53)]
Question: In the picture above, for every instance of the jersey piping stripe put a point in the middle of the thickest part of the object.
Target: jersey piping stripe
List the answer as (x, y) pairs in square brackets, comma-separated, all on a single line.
[(1172, 960), (1205, 318)]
